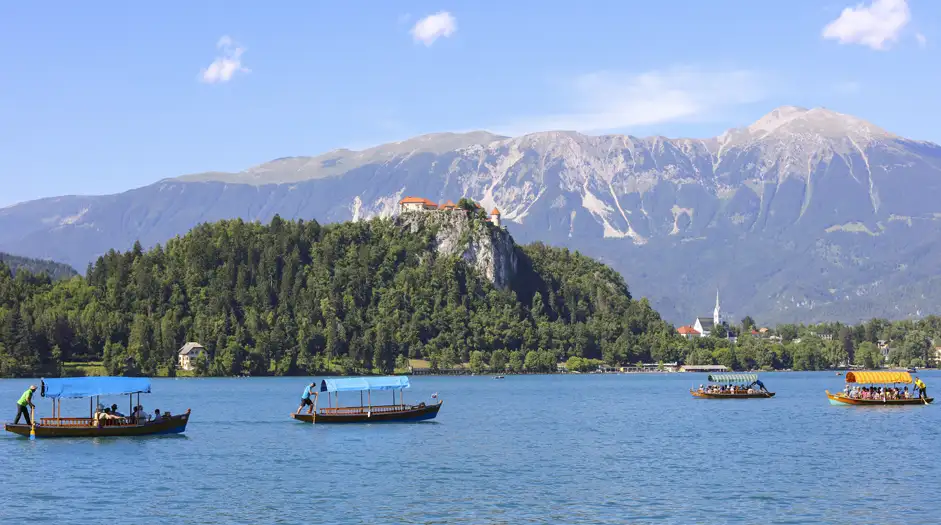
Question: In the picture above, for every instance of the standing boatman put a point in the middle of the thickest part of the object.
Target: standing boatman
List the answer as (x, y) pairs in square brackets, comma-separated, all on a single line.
[(25, 400), (305, 398), (922, 389)]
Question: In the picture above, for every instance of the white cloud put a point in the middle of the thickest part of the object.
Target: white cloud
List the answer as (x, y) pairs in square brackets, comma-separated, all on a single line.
[(227, 64), (922, 41), (607, 101), (433, 27), (877, 25)]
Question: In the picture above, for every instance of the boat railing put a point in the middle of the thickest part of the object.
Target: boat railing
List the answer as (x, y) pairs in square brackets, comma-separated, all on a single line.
[(89, 421), (66, 421), (379, 409)]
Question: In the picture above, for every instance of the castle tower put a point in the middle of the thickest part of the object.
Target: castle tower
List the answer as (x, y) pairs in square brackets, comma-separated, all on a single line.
[(495, 217), (716, 315)]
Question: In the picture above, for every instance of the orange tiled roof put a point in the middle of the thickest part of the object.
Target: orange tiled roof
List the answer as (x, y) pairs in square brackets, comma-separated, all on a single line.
[(495, 212), (687, 330), (417, 200)]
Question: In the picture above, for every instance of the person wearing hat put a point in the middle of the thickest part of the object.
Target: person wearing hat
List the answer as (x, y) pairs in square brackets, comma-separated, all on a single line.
[(25, 400), (305, 398)]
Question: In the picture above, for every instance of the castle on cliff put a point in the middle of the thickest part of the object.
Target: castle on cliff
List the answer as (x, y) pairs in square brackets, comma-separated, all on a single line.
[(424, 205)]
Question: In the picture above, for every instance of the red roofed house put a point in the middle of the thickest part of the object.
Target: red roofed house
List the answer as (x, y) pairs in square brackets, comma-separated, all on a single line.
[(688, 332), (448, 206), (416, 204)]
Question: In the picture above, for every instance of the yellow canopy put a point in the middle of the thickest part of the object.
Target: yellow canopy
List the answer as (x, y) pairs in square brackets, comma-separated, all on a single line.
[(880, 378)]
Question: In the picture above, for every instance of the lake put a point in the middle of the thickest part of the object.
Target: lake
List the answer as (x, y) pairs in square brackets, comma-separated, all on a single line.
[(527, 449)]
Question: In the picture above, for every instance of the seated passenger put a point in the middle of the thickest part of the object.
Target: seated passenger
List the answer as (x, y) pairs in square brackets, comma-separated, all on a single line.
[(114, 410)]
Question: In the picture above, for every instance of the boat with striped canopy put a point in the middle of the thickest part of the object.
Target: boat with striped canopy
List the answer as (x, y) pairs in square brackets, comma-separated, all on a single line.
[(884, 379), (97, 424), (367, 412), (732, 386)]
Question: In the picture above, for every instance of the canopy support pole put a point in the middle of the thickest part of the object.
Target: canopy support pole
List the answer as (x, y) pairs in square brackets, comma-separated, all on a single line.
[(91, 410)]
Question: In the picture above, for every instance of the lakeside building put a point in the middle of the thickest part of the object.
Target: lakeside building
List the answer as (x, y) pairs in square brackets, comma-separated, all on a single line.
[(703, 326), (704, 368), (188, 355)]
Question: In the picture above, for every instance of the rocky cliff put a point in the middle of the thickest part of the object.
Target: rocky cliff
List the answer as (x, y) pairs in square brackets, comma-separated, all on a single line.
[(488, 249)]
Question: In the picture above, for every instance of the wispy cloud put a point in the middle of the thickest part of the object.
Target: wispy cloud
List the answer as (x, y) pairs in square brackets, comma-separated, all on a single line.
[(876, 25), (227, 64), (922, 41), (606, 101), (433, 27)]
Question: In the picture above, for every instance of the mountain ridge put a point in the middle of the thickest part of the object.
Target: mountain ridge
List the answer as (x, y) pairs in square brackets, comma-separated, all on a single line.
[(804, 212)]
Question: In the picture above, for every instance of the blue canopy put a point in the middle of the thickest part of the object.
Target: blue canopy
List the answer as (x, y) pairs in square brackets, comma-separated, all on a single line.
[(68, 387), (359, 384)]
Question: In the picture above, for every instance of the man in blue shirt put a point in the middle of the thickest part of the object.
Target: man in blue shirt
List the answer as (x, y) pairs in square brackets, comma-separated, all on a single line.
[(309, 390)]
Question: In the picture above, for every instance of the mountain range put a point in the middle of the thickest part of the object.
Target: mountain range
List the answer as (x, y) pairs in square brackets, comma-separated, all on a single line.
[(804, 215)]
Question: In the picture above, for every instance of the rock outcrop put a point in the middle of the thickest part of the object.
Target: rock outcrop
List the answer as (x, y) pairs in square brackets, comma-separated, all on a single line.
[(488, 249)]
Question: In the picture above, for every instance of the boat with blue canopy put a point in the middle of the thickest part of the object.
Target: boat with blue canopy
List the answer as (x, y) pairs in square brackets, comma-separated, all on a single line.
[(732, 386), (367, 412), (100, 422)]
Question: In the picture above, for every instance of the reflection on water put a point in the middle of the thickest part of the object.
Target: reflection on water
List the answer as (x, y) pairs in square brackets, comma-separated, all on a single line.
[(534, 449)]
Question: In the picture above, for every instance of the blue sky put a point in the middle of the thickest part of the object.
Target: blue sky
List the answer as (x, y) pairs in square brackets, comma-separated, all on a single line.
[(101, 97)]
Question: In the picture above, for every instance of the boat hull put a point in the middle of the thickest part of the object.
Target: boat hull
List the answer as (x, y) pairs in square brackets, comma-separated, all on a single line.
[(757, 395), (170, 425), (845, 401), (408, 414)]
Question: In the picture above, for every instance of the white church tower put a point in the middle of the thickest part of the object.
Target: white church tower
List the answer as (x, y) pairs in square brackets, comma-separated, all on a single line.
[(716, 316)]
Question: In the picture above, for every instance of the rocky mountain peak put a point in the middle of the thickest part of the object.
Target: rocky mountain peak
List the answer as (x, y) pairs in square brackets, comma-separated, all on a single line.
[(792, 122)]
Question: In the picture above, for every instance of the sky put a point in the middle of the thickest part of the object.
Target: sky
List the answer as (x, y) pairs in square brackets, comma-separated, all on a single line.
[(102, 97)]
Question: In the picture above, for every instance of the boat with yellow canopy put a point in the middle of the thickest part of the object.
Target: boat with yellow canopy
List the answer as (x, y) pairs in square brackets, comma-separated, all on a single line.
[(873, 395)]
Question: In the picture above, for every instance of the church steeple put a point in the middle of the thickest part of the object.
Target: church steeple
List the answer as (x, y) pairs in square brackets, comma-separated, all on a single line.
[(716, 316)]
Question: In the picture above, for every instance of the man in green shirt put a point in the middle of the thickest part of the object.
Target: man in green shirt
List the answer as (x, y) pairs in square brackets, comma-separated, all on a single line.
[(26, 400)]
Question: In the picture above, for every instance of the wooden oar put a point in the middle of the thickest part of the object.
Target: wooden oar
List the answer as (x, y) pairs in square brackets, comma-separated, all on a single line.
[(32, 424)]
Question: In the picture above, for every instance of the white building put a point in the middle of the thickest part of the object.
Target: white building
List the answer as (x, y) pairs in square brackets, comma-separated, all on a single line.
[(705, 325), (188, 355), (416, 204)]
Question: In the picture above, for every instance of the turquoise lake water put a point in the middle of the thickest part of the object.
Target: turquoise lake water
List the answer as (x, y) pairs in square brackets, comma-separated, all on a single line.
[(527, 449)]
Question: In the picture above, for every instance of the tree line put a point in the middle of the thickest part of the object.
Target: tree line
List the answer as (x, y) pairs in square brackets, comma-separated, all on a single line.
[(299, 298), (295, 297)]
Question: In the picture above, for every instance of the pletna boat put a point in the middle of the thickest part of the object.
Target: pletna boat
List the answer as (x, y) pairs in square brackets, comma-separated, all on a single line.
[(92, 388), (740, 386), (367, 412), (885, 378)]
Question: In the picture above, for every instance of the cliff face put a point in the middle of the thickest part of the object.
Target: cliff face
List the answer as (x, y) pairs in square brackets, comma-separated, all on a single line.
[(486, 248)]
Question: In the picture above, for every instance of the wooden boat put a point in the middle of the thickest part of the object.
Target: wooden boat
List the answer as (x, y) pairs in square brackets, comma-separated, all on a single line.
[(730, 379), (876, 378), (92, 388), (368, 413)]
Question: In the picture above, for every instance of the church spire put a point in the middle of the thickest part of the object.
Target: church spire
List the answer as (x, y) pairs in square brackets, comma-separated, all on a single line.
[(716, 316)]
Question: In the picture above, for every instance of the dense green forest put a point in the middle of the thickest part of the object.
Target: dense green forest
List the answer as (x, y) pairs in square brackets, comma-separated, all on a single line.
[(301, 298), (37, 266)]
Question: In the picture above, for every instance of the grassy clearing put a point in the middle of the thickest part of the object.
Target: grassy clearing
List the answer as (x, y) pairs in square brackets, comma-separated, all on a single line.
[(90, 368)]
